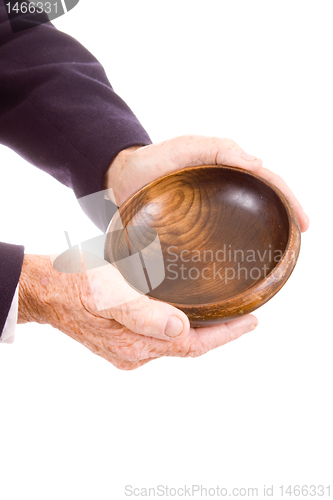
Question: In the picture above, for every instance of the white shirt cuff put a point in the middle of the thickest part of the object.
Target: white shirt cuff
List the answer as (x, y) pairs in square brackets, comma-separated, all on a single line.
[(8, 333)]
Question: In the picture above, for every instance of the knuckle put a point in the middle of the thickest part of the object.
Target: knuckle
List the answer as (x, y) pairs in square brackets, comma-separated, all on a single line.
[(143, 319), (128, 353), (192, 349), (231, 334), (196, 350), (132, 351), (147, 320), (229, 143)]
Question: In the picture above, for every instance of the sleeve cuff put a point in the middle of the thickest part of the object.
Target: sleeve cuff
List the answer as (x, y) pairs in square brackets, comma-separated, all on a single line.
[(8, 332)]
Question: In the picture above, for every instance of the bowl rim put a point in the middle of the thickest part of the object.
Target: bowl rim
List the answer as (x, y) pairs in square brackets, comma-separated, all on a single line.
[(269, 283)]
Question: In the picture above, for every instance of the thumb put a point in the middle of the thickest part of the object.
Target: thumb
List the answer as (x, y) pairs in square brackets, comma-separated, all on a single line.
[(218, 151), (152, 318), (192, 150), (113, 298)]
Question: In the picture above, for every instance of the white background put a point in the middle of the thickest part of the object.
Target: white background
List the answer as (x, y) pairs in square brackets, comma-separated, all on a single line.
[(257, 411)]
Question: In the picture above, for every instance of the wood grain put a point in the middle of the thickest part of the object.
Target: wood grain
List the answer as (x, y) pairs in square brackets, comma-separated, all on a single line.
[(229, 239)]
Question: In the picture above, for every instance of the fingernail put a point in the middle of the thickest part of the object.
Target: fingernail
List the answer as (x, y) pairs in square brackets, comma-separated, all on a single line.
[(247, 157), (174, 327), (251, 328)]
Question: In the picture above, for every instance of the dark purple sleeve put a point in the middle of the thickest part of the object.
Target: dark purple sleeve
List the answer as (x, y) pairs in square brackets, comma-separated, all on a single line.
[(59, 112), (11, 258)]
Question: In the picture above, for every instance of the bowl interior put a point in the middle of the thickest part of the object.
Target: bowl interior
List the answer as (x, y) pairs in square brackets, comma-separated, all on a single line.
[(221, 230)]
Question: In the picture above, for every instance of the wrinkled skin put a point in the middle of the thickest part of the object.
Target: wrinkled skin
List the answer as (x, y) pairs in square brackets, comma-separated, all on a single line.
[(136, 329), (65, 301)]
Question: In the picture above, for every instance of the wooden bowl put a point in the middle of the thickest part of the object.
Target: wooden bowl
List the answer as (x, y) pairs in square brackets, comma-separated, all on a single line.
[(229, 240)]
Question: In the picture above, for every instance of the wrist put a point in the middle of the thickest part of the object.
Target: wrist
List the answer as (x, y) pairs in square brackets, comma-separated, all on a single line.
[(115, 175), (30, 308), (39, 290)]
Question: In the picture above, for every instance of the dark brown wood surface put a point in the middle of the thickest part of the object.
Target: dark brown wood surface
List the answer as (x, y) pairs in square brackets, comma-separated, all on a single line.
[(229, 239)]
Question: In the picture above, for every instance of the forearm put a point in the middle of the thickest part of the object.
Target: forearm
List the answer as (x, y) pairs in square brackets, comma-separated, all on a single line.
[(58, 109), (45, 295)]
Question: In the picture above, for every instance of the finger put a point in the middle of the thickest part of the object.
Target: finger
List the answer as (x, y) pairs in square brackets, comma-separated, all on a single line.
[(280, 183), (202, 340), (192, 150), (231, 154), (196, 342), (153, 161), (202, 150)]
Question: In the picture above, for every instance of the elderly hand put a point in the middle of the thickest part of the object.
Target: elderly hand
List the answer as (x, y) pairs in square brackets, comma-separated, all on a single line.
[(128, 335), (135, 329), (137, 166)]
